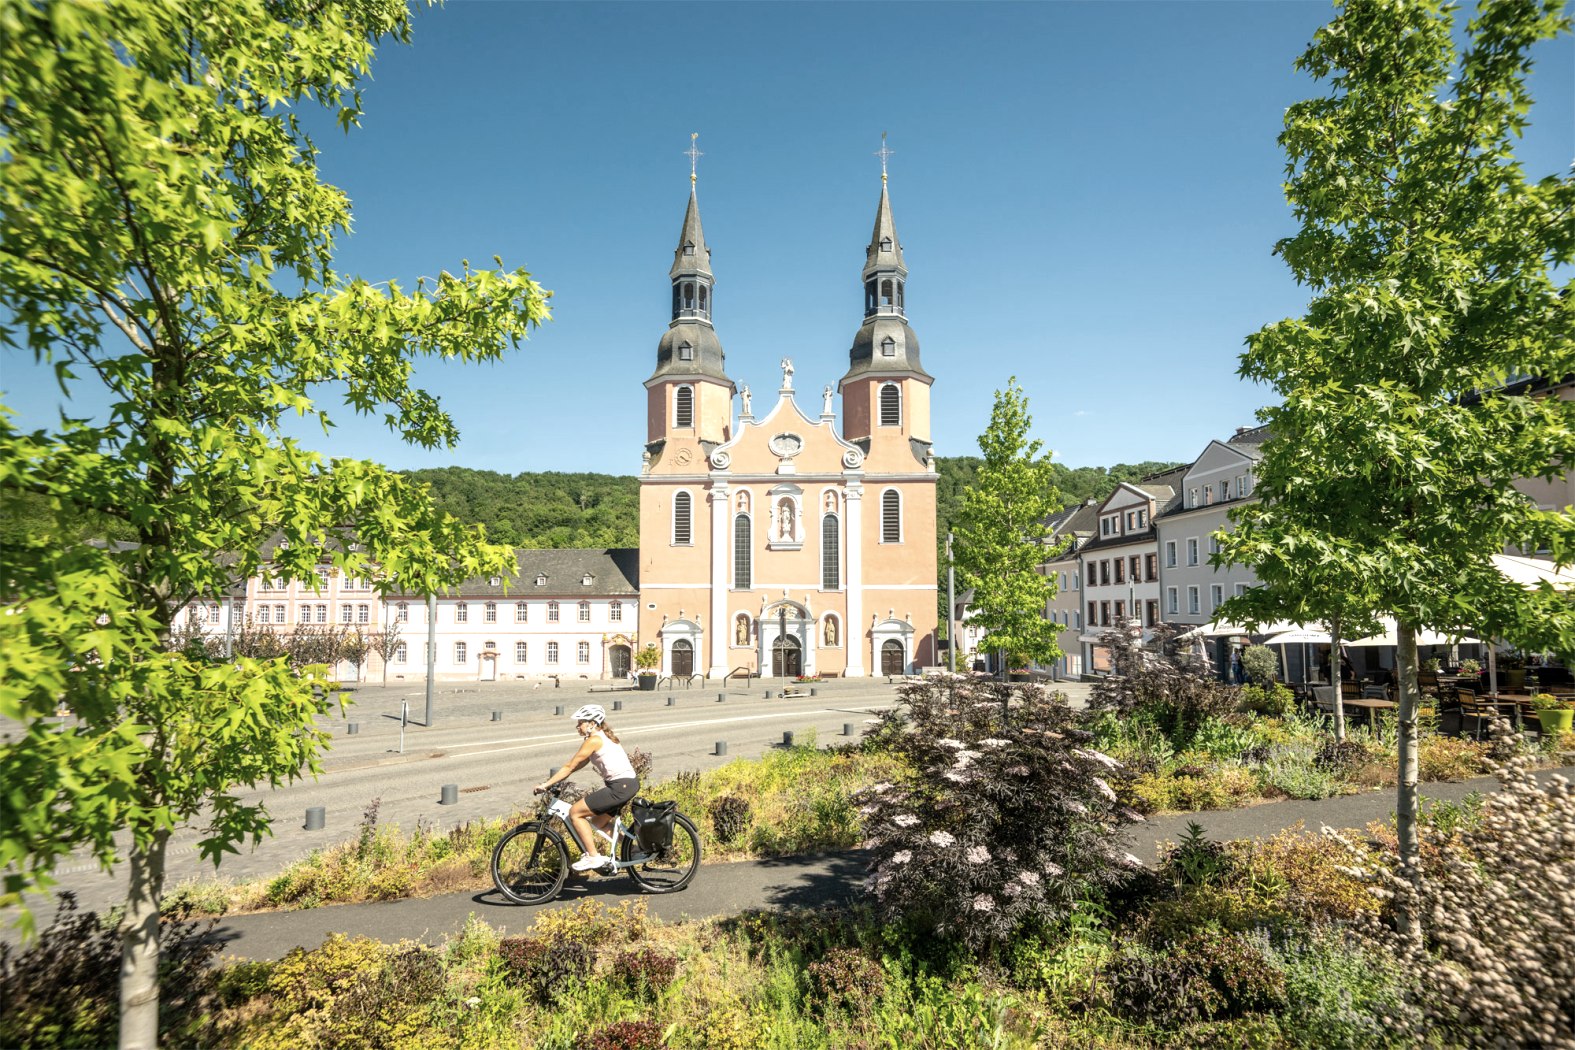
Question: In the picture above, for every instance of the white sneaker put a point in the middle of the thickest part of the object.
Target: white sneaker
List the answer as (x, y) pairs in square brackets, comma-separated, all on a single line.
[(589, 862)]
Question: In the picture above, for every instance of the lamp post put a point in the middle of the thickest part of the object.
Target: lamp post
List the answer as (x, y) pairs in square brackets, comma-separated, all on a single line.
[(782, 643), (951, 606), (431, 652)]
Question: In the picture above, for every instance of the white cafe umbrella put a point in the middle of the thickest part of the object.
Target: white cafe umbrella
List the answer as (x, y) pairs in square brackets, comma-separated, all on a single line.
[(1528, 572)]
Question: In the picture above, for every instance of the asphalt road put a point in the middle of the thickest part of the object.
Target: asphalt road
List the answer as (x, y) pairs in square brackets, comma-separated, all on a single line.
[(496, 763)]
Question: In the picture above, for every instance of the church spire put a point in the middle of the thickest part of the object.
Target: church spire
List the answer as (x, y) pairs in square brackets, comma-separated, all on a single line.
[(690, 346), (884, 343)]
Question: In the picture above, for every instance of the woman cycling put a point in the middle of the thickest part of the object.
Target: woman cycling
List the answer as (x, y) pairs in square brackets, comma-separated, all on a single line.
[(601, 749)]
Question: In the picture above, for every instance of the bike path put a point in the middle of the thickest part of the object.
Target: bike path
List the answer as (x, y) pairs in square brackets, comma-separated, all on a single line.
[(721, 890)]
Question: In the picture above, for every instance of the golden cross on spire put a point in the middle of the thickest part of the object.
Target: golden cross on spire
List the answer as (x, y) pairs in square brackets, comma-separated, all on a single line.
[(883, 153), (694, 155)]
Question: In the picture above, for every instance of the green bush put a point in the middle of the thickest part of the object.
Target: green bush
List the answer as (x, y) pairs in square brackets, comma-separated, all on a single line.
[(1339, 996), (1206, 976), (627, 1035), (645, 970), (729, 818), (546, 969), (1261, 664), (1272, 699), (63, 989)]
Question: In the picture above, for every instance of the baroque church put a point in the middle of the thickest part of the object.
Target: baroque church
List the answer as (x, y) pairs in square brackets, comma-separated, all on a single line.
[(781, 539)]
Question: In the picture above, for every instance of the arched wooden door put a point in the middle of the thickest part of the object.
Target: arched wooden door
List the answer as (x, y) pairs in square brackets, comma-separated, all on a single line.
[(683, 658), (891, 657), (618, 660), (787, 657)]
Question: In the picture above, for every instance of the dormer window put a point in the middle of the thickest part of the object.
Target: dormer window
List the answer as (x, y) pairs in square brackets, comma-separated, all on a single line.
[(541, 580), (689, 247), (885, 244), (495, 581), (888, 347), (686, 352), (585, 581)]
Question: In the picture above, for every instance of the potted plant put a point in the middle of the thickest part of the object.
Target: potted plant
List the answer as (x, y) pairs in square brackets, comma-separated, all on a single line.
[(1555, 715), (1470, 669), (647, 660), (1513, 665)]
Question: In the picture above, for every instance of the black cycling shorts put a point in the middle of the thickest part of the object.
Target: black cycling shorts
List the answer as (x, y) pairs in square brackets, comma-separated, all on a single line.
[(614, 796)]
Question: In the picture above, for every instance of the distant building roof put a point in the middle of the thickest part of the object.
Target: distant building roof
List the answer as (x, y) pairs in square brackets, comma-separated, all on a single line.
[(566, 572)]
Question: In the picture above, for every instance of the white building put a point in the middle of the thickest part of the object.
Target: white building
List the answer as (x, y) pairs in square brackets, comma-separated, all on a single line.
[(1075, 526)]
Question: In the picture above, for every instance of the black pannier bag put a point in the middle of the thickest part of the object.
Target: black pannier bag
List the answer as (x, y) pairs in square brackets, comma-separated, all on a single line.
[(653, 823)]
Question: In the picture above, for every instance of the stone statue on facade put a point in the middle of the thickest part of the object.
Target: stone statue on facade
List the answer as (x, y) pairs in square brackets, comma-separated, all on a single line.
[(744, 395), (825, 409), (787, 373)]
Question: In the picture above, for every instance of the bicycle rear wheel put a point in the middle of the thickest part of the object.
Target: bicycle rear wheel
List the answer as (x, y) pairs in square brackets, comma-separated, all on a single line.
[(672, 868), (530, 864)]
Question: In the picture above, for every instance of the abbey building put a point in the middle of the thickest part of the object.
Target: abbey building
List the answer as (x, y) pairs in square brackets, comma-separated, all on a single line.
[(777, 537)]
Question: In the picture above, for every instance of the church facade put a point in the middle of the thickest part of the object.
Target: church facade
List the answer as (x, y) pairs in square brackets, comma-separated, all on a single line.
[(780, 538)]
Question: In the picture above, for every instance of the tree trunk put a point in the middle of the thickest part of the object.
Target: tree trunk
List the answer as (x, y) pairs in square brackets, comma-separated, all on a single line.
[(1339, 679), (139, 947), (1409, 918)]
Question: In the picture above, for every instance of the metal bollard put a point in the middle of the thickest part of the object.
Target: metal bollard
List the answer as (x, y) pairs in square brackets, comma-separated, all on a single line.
[(316, 816), (847, 729), (721, 697), (352, 728), (558, 710), (617, 705), (671, 702), (450, 796), (811, 690), (497, 716), (787, 739), (768, 694), (721, 747)]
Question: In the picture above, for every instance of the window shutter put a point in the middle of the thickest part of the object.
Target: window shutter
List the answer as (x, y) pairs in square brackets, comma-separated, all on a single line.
[(681, 526), (684, 407), (890, 405), (890, 517)]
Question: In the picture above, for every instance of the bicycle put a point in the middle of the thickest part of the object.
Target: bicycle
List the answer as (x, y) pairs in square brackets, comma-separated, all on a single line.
[(531, 862)]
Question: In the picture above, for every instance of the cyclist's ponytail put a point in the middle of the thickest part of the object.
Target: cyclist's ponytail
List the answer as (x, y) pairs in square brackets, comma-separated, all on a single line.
[(607, 730)]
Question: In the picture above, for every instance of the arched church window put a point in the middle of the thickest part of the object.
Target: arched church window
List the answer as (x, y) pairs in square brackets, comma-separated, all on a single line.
[(702, 297), (742, 555), (684, 407), (891, 516), (886, 296), (689, 295), (869, 297), (830, 553), (891, 405), (899, 294), (682, 531)]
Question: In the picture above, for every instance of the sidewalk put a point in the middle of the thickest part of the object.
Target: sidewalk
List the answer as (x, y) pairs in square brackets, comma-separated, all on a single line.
[(728, 889)]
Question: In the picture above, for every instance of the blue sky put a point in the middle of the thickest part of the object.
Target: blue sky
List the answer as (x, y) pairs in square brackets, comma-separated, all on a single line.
[(1087, 196)]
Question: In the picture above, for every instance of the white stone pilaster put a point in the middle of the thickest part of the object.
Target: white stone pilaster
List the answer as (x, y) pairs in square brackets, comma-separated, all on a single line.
[(855, 632), (717, 635)]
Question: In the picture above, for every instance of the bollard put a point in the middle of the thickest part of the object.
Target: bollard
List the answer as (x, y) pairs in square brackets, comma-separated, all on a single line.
[(787, 739), (670, 702), (768, 694), (847, 729), (558, 710), (450, 796), (721, 697), (721, 747), (617, 705), (315, 818), (811, 690), (497, 716), (353, 728)]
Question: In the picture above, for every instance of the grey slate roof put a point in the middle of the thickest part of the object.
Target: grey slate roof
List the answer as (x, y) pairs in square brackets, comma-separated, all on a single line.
[(889, 257), (614, 571), (700, 261), (708, 359), (867, 356)]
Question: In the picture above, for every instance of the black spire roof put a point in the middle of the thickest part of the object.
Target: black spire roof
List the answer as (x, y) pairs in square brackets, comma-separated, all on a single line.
[(690, 347), (884, 344)]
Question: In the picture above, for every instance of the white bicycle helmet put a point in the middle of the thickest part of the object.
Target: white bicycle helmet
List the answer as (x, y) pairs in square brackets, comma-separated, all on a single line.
[(591, 713)]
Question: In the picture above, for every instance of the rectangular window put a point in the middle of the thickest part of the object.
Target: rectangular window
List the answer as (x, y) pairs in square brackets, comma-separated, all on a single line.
[(521, 612), (278, 613), (1079, 623), (1214, 544), (615, 612), (521, 652), (401, 613), (830, 553), (1241, 485), (1192, 497), (401, 652), (1121, 611), (1192, 600), (1224, 490), (1093, 614), (1135, 568), (490, 612), (1241, 588), (1192, 551), (552, 612), (462, 613), (1170, 554), (1104, 614), (363, 613), (1121, 571), (1151, 564), (1077, 582), (1063, 581), (552, 652), (1216, 596), (1152, 607), (461, 652), (1104, 573), (322, 614), (1170, 600), (264, 614), (584, 652), (585, 612), (743, 552), (346, 614)]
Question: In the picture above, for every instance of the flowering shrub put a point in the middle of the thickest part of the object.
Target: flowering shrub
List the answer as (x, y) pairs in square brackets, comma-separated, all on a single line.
[(1497, 950), (1008, 814), (1162, 678)]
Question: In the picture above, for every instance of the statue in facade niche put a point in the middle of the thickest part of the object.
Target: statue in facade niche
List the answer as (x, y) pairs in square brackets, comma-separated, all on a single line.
[(785, 529), (829, 631)]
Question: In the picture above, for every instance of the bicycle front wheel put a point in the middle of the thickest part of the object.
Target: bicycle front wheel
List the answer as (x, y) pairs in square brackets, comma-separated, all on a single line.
[(672, 868), (530, 864)]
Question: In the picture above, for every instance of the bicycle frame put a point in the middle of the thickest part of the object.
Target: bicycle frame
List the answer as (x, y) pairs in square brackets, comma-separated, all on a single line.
[(560, 809)]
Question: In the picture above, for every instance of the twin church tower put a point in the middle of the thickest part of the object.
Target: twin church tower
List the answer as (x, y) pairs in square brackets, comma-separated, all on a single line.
[(776, 539)]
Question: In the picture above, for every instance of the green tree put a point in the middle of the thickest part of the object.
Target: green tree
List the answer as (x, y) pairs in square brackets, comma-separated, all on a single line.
[(165, 248), (1002, 534), (1429, 257)]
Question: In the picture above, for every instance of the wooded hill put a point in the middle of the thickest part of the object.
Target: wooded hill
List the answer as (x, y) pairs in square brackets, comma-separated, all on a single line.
[(581, 510)]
